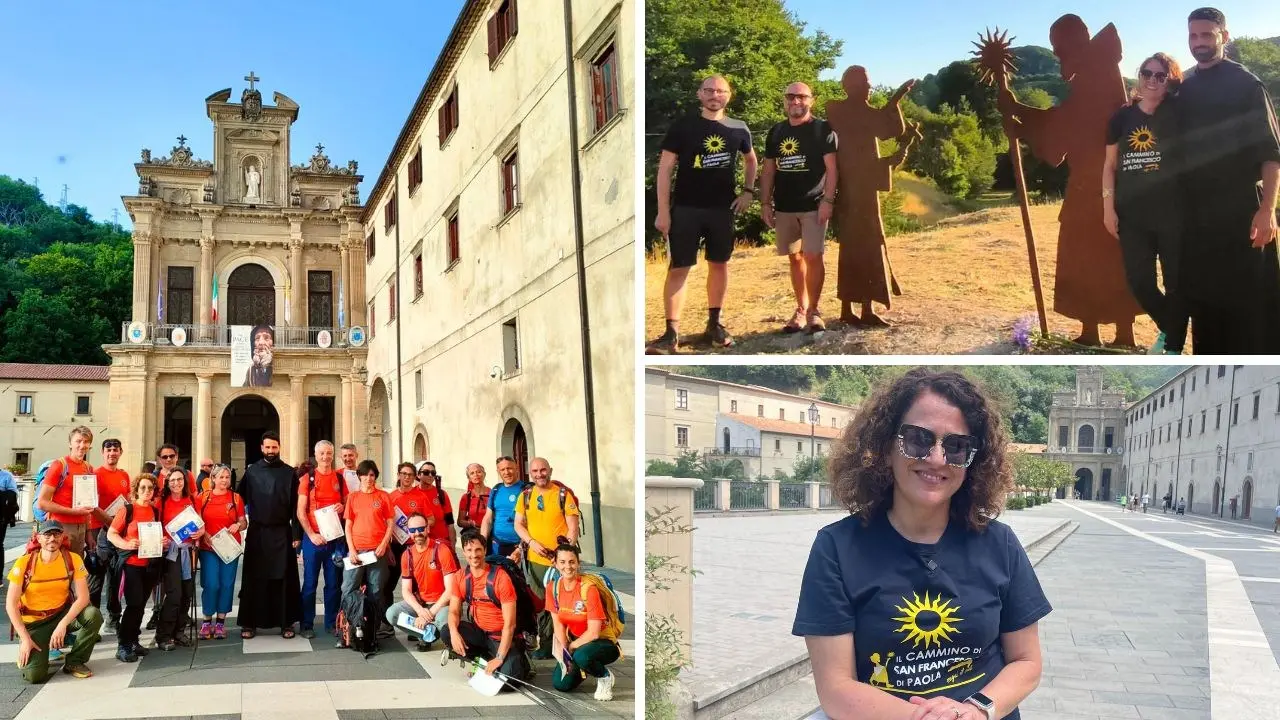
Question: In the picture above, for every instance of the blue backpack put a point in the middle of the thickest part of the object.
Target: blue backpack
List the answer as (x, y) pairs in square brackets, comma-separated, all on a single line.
[(40, 515)]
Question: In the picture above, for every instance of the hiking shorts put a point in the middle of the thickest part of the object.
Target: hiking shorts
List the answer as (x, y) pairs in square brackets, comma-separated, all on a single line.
[(690, 226), (798, 232)]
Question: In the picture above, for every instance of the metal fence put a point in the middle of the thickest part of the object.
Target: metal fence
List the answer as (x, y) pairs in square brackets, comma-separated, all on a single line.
[(704, 498), (748, 495), (826, 498), (793, 496)]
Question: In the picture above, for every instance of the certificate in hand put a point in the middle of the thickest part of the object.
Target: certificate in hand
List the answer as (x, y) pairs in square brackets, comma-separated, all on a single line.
[(407, 621), (184, 524), (85, 491), (150, 540), (114, 508), (398, 527), (226, 545), (366, 559), (328, 524)]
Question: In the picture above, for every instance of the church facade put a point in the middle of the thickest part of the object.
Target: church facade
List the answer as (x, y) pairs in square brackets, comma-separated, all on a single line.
[(1087, 430), (248, 295)]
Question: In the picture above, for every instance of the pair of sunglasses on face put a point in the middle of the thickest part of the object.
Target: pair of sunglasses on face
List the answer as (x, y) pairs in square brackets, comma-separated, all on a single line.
[(415, 530), (917, 443), (1159, 75)]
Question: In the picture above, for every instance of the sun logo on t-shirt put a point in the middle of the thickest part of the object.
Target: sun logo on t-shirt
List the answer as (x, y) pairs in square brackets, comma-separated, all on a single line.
[(1142, 139), (930, 621), (714, 143), (790, 146)]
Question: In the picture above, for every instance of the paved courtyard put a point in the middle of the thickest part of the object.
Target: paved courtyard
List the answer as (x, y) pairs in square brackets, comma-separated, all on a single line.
[(269, 677)]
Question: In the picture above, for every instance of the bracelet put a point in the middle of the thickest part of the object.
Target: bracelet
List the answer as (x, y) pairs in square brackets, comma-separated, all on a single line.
[(1106, 192), (828, 200)]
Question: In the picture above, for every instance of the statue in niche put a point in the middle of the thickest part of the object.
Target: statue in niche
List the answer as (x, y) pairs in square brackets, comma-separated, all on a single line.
[(252, 183)]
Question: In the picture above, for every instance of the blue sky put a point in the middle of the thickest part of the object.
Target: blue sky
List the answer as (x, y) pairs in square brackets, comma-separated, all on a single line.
[(89, 84), (912, 38)]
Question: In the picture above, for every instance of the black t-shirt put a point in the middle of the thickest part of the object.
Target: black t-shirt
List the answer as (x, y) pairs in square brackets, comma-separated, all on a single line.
[(708, 159), (798, 152), (926, 619), (1146, 160)]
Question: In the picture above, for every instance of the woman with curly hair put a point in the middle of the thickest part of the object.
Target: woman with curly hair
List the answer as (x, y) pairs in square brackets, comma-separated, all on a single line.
[(941, 598)]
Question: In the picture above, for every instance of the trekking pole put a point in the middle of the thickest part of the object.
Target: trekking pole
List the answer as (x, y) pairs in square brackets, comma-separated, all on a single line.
[(479, 664)]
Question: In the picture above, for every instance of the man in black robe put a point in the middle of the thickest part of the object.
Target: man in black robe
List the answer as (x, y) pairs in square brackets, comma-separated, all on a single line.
[(1229, 137), (269, 593)]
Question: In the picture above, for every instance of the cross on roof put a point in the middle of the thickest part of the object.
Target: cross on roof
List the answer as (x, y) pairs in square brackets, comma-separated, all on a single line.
[(319, 149), (252, 79), (182, 141)]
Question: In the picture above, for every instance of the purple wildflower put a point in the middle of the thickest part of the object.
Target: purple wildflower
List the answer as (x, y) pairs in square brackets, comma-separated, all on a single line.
[(1022, 332)]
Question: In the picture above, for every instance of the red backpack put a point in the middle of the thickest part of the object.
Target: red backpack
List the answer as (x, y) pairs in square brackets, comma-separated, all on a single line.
[(470, 502), (32, 556)]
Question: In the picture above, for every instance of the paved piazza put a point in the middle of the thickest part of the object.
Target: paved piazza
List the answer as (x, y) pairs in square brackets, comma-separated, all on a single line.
[(269, 677)]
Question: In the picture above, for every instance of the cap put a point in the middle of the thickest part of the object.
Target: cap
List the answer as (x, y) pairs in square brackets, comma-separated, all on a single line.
[(50, 526)]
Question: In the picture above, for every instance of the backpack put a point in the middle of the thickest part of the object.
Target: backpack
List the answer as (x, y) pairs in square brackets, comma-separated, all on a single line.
[(311, 490), (528, 605), (615, 614), (40, 515), (123, 555), (208, 497), (363, 605), (565, 494), (466, 503), (32, 555)]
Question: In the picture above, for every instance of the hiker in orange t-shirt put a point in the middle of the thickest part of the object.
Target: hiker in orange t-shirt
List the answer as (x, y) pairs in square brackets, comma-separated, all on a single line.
[(579, 618), (408, 498), (57, 492), (221, 509), (323, 486), (488, 629), (140, 574), (438, 501), (113, 485), (427, 579), (178, 576), (368, 520), (474, 501)]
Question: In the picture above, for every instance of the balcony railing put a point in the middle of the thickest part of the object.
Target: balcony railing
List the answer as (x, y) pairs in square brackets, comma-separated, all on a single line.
[(1085, 451), (722, 451), (287, 336)]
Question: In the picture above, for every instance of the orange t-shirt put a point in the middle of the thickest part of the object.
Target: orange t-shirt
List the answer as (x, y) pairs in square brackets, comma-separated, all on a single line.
[(485, 614), (368, 514), (141, 513), (111, 485), (65, 495), (576, 606), (162, 474), (218, 512), (328, 491), (429, 574), (411, 501), (438, 502)]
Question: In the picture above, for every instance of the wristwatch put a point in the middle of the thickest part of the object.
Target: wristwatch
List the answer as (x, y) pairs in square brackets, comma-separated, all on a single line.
[(983, 703)]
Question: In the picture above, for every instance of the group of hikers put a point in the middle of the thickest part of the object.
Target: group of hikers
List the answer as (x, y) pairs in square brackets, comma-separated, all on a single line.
[(519, 593), (1183, 170)]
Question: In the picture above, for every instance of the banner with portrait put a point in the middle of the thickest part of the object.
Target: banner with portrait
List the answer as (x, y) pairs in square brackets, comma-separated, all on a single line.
[(252, 353)]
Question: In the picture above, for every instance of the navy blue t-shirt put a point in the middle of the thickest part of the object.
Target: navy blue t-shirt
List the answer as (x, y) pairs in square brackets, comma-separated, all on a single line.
[(926, 619), (502, 501)]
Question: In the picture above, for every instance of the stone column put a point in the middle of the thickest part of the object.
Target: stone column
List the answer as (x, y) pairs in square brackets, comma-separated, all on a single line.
[(344, 283), (815, 495), (153, 416), (723, 494), (297, 417), (142, 275), (774, 498), (206, 286), (204, 416), (675, 497)]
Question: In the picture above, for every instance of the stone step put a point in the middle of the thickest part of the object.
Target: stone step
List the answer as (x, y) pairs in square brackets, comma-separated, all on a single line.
[(777, 678), (795, 700), (1040, 549)]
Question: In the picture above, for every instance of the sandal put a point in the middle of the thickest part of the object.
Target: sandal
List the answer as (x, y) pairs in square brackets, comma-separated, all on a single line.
[(248, 634), (206, 630), (219, 630)]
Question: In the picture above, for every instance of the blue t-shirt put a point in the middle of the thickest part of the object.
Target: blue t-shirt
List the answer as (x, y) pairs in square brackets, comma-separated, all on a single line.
[(502, 501), (926, 619)]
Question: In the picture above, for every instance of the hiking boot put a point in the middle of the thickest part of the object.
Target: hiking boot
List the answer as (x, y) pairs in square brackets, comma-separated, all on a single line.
[(386, 631), (308, 633), (79, 670), (206, 630), (167, 645), (797, 322), (666, 344), (1157, 347), (718, 336), (816, 323), (151, 624), (126, 654), (181, 641), (138, 650), (604, 688)]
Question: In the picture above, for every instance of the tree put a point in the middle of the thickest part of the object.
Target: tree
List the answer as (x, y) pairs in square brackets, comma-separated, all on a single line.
[(1262, 58)]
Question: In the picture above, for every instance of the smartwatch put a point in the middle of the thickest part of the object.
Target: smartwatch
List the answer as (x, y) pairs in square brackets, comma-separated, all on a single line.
[(983, 703)]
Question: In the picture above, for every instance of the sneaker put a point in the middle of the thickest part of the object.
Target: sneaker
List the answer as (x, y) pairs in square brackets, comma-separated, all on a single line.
[(126, 654), (604, 688), (308, 633), (181, 641), (151, 624), (1157, 347), (55, 655), (816, 324), (138, 650), (386, 631), (206, 630), (167, 645), (718, 336), (423, 646), (667, 344), (797, 322), (220, 630), (79, 670)]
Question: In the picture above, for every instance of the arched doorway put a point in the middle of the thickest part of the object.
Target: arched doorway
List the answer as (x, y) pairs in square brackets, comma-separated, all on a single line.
[(244, 421), (1217, 496), (1191, 496), (419, 448), (727, 447), (1169, 494), (1246, 498), (251, 296), (515, 442), (1084, 483), (1084, 439)]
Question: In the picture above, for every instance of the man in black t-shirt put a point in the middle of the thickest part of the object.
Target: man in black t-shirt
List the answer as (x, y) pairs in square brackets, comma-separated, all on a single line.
[(797, 195), (1231, 280), (705, 147)]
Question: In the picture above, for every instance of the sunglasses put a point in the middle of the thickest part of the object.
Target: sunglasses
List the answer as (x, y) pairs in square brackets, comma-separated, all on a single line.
[(415, 530), (427, 472), (406, 472), (168, 457), (917, 443), (1159, 75), (798, 96), (111, 446)]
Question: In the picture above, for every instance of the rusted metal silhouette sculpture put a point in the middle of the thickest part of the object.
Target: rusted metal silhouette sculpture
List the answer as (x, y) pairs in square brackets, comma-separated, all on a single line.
[(1090, 284), (865, 274)]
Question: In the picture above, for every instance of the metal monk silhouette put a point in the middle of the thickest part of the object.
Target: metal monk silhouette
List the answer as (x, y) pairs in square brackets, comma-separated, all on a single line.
[(865, 273)]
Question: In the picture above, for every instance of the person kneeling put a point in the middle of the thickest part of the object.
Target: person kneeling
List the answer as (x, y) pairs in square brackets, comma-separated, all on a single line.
[(48, 597), (585, 641), (489, 630), (428, 576)]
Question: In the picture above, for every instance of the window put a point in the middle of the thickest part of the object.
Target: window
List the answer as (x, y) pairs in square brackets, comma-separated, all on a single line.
[(1217, 422), (799, 446), (819, 448), (1064, 436), (451, 234), (1162, 400), (1193, 383), (1235, 412), (415, 171), (448, 116), (82, 405), (604, 88), (1179, 427), (759, 411), (1222, 371), (1193, 465), (682, 436), (1206, 377), (368, 248), (389, 213), (733, 406), (417, 387), (320, 298), (391, 302), (417, 276), (782, 413), (777, 445), (1109, 435), (26, 405), (502, 28), (1250, 461), (1182, 389), (511, 352), (180, 304), (22, 458), (1257, 403), (682, 399), (833, 422), (1203, 415), (1218, 464), (510, 183)]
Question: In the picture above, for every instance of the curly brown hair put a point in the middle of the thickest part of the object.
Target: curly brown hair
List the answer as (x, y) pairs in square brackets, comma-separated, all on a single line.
[(133, 485), (861, 473), (1170, 66)]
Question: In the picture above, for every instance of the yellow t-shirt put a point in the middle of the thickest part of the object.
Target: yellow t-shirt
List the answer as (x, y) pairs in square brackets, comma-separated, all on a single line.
[(543, 517), (49, 588)]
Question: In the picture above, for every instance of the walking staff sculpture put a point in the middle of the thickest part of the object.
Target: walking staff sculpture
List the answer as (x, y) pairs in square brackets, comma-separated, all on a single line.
[(865, 273)]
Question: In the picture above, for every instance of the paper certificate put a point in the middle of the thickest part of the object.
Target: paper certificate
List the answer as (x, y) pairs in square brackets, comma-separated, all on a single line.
[(407, 622), (150, 540), (366, 559), (353, 480), (226, 545), (85, 491), (328, 524), (184, 524), (114, 508), (398, 527)]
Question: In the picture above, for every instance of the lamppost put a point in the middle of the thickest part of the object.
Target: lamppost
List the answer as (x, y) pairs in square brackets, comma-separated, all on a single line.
[(1221, 499), (813, 423)]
